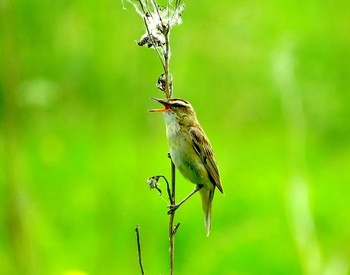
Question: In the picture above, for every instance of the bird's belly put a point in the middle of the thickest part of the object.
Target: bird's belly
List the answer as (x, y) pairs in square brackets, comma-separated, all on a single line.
[(189, 164)]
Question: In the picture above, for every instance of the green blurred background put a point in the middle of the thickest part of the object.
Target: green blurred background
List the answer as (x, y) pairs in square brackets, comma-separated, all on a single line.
[(270, 83)]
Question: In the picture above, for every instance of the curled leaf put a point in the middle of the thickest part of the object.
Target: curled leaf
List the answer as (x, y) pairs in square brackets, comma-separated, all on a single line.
[(150, 40), (153, 183), (161, 83)]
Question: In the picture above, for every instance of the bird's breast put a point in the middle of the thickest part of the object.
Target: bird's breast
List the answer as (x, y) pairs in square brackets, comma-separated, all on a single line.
[(184, 156)]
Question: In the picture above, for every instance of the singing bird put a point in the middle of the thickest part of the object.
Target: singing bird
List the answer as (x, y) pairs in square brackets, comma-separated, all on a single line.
[(191, 152)]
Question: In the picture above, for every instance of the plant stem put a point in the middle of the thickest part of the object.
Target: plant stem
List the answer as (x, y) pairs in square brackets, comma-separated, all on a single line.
[(171, 220), (150, 35), (166, 66), (139, 248)]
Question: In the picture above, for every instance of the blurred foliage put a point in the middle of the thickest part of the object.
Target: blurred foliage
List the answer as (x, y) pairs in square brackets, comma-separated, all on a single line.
[(270, 83)]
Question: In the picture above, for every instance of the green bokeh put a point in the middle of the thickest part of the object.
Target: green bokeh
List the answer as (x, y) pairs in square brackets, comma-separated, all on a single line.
[(270, 84)]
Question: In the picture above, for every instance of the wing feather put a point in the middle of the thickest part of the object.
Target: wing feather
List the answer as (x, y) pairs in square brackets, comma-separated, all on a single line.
[(204, 150)]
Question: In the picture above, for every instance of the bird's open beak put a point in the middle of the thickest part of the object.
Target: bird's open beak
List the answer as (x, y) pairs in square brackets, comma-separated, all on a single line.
[(166, 106)]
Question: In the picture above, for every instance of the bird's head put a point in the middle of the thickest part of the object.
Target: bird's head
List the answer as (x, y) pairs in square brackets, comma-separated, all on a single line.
[(176, 109)]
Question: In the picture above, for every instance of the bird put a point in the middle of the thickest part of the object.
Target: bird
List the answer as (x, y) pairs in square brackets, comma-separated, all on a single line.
[(191, 152)]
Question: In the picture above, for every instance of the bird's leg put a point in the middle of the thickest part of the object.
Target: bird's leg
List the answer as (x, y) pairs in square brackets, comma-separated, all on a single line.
[(176, 206)]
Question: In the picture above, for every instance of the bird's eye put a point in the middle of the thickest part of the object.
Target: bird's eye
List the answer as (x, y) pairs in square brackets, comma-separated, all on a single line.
[(176, 105)]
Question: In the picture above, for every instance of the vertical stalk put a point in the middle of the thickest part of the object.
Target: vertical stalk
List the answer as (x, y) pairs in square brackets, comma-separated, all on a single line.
[(166, 64), (139, 249), (171, 220), (157, 35)]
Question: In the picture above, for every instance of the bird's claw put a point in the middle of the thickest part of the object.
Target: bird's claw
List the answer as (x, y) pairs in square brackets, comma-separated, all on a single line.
[(172, 208)]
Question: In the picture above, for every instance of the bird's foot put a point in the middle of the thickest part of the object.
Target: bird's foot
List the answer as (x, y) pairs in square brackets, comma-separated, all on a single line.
[(168, 155), (172, 208)]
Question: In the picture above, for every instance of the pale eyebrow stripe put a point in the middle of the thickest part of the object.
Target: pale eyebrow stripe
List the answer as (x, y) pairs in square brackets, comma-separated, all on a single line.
[(181, 101)]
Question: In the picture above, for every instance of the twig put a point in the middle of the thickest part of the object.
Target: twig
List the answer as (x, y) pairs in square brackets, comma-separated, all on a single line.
[(153, 183), (168, 91), (139, 248), (158, 23), (149, 33), (172, 229), (155, 7)]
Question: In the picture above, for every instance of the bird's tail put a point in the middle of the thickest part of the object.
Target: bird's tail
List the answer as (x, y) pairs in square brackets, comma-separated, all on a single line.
[(207, 196)]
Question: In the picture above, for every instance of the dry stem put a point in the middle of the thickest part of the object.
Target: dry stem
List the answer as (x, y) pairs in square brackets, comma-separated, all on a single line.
[(171, 220), (158, 25), (139, 248)]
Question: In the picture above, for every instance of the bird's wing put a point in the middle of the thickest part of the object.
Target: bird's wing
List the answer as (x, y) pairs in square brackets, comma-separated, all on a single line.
[(203, 148)]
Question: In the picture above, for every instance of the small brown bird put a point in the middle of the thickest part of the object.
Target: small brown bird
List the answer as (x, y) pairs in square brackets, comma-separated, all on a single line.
[(191, 152)]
